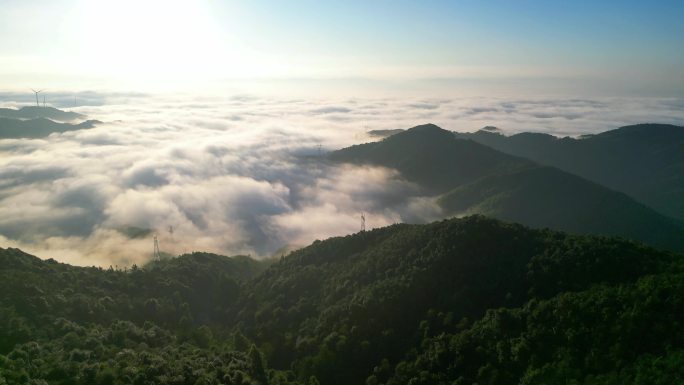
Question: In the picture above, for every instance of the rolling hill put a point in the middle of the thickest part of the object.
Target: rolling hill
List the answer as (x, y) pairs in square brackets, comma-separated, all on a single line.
[(456, 301)]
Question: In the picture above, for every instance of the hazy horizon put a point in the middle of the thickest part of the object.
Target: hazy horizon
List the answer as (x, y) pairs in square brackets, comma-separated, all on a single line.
[(580, 49)]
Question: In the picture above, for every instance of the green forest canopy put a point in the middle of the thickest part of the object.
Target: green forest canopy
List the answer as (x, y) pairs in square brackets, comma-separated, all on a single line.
[(459, 301)]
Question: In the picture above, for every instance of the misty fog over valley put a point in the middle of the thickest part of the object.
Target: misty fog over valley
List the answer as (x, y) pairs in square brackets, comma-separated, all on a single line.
[(241, 175)]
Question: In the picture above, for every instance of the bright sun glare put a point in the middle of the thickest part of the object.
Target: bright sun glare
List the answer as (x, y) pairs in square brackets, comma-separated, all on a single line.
[(149, 38)]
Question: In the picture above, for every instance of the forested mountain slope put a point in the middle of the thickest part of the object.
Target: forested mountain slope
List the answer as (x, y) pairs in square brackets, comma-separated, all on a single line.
[(347, 307), (457, 301), (645, 161), (471, 178), (75, 325)]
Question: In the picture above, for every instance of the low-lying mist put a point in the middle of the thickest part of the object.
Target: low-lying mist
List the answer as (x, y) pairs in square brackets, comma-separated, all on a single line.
[(242, 174)]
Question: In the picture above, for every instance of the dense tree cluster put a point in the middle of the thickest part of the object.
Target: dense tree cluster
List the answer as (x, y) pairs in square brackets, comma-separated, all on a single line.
[(460, 301), (155, 325), (124, 353)]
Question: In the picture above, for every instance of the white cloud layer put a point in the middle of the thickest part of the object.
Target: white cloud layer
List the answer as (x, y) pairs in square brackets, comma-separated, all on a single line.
[(241, 174)]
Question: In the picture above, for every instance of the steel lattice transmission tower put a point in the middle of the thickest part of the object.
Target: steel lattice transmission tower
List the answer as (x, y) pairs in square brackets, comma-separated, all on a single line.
[(363, 222), (156, 255)]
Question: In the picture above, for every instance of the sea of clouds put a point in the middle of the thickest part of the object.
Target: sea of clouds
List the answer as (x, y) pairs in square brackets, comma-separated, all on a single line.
[(241, 174)]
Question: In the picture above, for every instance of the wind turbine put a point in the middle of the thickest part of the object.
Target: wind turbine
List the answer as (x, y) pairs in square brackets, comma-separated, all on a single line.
[(37, 92)]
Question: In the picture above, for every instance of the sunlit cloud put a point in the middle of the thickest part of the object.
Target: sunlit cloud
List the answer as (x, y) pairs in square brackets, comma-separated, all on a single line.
[(242, 174)]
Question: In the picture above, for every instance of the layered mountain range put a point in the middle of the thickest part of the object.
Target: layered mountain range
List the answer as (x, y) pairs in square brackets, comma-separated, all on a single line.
[(645, 161), (467, 176)]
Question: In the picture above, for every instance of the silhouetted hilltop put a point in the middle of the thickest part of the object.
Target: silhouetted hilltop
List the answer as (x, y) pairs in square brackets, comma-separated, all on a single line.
[(432, 157), (38, 128), (651, 132), (476, 179), (34, 112), (645, 161)]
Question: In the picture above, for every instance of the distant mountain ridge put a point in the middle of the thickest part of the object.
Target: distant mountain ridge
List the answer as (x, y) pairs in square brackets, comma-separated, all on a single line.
[(472, 178), (645, 161), (38, 128), (35, 112), (430, 156)]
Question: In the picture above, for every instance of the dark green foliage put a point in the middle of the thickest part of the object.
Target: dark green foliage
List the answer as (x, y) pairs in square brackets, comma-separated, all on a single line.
[(351, 307), (195, 289), (646, 161), (475, 179), (602, 335), (461, 301), (161, 324), (126, 354)]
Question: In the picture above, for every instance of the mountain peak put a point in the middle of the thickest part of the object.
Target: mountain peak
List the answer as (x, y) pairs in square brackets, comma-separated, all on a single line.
[(426, 126), (429, 127), (430, 156), (647, 131), (424, 132)]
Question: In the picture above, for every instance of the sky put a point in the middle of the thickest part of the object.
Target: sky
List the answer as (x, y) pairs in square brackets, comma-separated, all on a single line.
[(610, 48)]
